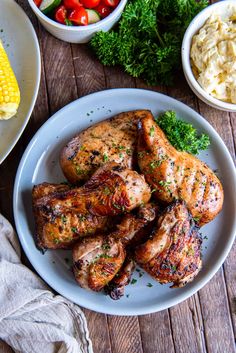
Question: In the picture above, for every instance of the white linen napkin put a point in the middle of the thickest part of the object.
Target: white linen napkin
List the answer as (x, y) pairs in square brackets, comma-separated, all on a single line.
[(33, 319)]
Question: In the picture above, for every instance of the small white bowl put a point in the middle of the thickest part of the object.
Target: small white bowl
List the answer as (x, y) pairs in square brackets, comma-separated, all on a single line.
[(78, 34), (222, 8)]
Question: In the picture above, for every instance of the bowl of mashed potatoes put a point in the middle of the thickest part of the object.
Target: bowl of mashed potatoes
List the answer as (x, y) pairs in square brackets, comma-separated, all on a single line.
[(209, 55)]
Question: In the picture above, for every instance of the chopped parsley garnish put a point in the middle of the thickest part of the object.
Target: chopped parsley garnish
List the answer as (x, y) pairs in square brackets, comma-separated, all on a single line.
[(133, 281), (105, 157), (151, 132), (149, 285), (107, 191), (74, 229), (182, 135), (64, 219)]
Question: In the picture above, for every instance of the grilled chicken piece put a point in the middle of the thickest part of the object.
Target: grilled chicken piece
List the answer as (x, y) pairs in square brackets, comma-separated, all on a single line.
[(112, 140), (177, 175), (173, 252), (63, 217), (98, 259), (115, 289), (112, 190), (62, 231)]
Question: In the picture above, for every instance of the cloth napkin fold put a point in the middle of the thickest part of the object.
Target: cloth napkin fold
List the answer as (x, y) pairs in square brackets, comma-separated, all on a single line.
[(33, 319)]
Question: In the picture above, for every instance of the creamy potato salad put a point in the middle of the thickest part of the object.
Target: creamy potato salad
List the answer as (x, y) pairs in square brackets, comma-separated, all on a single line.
[(213, 57)]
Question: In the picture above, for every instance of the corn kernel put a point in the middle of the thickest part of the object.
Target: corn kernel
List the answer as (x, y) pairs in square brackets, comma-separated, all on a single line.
[(9, 89)]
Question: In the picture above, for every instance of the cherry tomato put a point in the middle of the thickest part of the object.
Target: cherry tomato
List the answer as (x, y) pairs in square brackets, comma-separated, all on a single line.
[(103, 10), (111, 3), (38, 2), (79, 16), (90, 4), (60, 14), (72, 4)]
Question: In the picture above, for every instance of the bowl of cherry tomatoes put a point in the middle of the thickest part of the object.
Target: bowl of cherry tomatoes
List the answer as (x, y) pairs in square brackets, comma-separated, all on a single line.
[(76, 21)]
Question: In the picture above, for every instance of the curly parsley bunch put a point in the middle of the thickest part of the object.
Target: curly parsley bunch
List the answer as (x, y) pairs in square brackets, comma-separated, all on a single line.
[(147, 39)]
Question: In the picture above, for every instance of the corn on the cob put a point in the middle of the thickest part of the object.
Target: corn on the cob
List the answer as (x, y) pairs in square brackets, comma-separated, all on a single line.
[(9, 89)]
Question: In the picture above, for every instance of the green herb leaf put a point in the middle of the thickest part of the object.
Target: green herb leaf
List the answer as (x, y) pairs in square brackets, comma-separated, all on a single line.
[(147, 40), (182, 135), (149, 285), (105, 158), (133, 281)]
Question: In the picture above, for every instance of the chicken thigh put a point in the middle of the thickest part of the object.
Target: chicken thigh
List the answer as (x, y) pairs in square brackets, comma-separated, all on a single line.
[(173, 252)]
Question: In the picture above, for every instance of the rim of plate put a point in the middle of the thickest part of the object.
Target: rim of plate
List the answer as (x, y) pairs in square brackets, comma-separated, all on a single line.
[(35, 95), (187, 291)]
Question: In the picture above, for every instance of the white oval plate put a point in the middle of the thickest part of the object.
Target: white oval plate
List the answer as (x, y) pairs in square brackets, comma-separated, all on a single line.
[(21, 44), (40, 163)]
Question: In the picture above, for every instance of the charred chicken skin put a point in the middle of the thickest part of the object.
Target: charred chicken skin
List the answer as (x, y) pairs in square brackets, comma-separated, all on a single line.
[(62, 231), (177, 175), (112, 190), (98, 259), (173, 252), (111, 140), (116, 287), (63, 217)]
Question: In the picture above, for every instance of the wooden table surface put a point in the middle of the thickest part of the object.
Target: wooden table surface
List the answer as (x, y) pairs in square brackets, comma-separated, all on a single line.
[(206, 322)]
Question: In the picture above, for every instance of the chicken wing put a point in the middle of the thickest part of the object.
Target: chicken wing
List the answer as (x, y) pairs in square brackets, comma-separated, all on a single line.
[(63, 217), (98, 259), (173, 252), (177, 175), (111, 140)]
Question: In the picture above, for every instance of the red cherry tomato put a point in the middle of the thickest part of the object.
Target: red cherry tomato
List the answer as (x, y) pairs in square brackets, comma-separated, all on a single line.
[(72, 4), (111, 3), (60, 14), (103, 10), (90, 4), (79, 17), (38, 2)]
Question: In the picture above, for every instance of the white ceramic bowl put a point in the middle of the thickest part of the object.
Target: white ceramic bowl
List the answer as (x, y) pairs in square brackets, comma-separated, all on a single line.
[(78, 34), (222, 8)]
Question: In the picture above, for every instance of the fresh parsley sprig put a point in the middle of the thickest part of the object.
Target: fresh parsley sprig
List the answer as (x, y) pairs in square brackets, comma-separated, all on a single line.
[(147, 39), (182, 135)]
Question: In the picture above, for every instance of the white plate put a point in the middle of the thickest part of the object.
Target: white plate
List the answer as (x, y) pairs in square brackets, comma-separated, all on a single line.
[(21, 44), (40, 163)]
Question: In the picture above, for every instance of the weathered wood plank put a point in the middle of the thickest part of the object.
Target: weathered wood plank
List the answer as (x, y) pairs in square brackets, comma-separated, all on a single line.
[(89, 73), (215, 311), (115, 78), (156, 333), (98, 330), (187, 327), (125, 334), (59, 70), (213, 297)]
